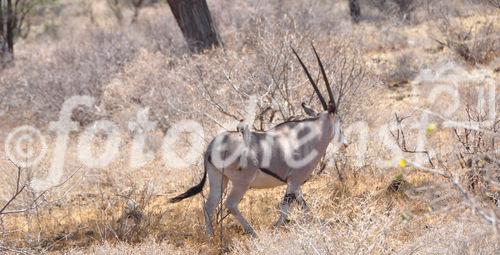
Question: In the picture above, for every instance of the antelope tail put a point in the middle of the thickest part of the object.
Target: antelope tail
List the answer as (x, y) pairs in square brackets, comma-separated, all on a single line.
[(192, 191)]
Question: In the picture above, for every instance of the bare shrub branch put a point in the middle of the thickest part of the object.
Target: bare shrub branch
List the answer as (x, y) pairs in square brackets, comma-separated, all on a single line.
[(476, 44), (480, 163)]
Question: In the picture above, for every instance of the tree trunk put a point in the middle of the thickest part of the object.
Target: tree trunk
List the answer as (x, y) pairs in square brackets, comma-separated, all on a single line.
[(7, 27), (11, 26), (355, 10), (195, 22), (1, 21)]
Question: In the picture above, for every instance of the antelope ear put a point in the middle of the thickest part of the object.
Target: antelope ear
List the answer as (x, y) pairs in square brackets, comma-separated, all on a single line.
[(331, 107)]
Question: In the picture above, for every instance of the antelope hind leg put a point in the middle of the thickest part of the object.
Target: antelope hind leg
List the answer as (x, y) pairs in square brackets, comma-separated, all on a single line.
[(214, 196)]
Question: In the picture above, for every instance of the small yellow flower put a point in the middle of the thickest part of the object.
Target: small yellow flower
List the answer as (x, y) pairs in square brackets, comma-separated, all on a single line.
[(431, 127), (402, 163)]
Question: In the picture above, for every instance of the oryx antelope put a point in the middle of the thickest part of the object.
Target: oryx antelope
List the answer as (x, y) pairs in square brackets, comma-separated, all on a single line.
[(284, 155)]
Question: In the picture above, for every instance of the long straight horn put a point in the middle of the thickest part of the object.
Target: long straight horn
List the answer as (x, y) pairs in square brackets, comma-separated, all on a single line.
[(323, 102), (327, 83)]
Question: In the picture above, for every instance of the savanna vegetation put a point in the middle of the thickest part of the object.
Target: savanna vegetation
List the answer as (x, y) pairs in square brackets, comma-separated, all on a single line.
[(421, 174)]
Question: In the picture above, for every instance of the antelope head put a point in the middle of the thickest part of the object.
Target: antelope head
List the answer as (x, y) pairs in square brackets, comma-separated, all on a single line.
[(332, 106)]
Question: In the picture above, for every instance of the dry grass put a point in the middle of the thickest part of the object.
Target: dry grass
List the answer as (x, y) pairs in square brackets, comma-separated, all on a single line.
[(80, 49), (475, 43)]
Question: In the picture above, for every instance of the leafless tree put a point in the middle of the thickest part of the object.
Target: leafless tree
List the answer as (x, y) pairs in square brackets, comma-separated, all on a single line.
[(117, 7), (14, 23), (18, 203), (17, 191)]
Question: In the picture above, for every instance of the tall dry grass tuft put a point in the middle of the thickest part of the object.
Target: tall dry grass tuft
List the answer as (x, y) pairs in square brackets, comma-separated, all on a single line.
[(474, 43)]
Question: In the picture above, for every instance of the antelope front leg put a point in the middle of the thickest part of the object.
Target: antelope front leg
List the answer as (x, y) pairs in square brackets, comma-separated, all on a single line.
[(292, 194), (284, 207)]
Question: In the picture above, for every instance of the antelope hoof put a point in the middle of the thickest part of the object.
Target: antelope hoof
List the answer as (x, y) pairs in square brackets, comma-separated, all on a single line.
[(251, 232), (281, 222)]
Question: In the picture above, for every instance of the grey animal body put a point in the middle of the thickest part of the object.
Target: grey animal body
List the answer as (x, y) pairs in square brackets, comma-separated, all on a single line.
[(284, 155)]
